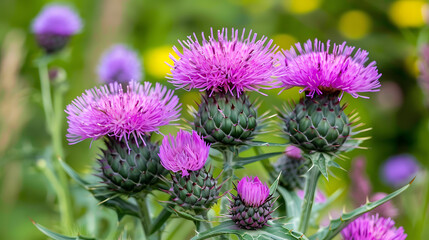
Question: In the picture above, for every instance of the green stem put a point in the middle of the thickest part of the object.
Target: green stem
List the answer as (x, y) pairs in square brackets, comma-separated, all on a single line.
[(421, 223), (163, 216), (227, 175), (144, 215), (54, 126), (307, 203), (203, 225)]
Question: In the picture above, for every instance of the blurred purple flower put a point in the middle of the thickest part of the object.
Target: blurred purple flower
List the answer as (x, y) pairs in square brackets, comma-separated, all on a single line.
[(186, 152), (108, 110), (318, 198), (234, 64), (361, 190), (399, 170), (318, 71), (58, 20), (293, 152), (385, 210), (119, 64), (54, 25), (373, 227), (252, 191)]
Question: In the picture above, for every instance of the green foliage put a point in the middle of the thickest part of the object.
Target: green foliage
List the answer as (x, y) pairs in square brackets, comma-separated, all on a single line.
[(58, 236), (274, 231)]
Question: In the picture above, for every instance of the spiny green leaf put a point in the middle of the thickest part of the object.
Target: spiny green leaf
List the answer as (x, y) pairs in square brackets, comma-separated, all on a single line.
[(266, 144), (275, 184), (186, 215), (274, 231), (321, 161), (239, 162), (293, 205), (58, 236), (338, 224), (103, 195)]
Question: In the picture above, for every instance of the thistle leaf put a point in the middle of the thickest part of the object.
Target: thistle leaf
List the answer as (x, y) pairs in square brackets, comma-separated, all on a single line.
[(103, 195), (58, 236), (274, 231), (293, 205), (266, 144), (275, 184), (338, 224), (321, 161), (240, 162)]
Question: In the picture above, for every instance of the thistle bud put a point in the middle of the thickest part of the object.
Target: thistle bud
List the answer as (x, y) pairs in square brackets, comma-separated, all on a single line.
[(293, 168)]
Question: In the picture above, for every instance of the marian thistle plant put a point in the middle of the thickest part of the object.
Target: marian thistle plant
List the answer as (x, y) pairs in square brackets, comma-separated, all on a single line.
[(176, 174), (224, 68), (125, 119)]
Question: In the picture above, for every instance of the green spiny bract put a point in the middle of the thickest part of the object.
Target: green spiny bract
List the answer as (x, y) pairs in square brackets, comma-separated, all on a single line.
[(317, 124), (293, 171), (198, 191), (250, 217), (128, 168), (226, 119)]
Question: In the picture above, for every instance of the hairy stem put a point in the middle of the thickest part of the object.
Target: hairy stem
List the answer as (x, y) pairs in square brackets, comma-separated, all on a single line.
[(54, 126), (144, 214), (227, 175), (307, 204)]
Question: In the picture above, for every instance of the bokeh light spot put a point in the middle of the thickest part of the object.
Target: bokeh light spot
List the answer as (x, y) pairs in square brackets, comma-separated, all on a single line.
[(354, 24), (407, 13), (155, 61), (301, 6), (284, 41)]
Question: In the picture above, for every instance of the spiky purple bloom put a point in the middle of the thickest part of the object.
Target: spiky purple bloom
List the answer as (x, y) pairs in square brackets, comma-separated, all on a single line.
[(293, 152), (399, 170), (222, 64), (110, 111), (318, 70), (252, 191), (119, 64), (186, 152), (58, 20), (373, 228)]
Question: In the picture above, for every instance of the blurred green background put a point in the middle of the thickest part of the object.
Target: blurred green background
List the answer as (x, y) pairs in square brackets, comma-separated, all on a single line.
[(392, 31)]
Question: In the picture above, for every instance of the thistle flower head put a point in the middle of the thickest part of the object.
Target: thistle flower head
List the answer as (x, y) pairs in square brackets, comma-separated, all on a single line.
[(399, 169), (318, 70), (186, 152), (109, 111), (373, 228), (293, 152), (236, 64), (58, 20), (119, 64), (252, 191)]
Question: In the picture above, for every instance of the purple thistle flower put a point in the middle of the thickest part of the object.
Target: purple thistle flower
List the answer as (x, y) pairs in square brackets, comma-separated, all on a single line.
[(57, 20), (109, 111), (234, 64), (373, 227), (399, 170), (119, 64), (318, 71), (293, 152), (186, 152), (252, 191)]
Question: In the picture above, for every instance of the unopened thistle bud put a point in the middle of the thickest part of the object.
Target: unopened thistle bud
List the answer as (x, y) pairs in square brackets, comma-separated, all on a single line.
[(293, 167), (252, 207)]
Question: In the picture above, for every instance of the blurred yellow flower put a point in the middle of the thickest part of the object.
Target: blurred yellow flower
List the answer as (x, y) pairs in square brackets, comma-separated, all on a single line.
[(284, 41), (412, 65), (155, 61), (354, 24), (301, 6), (407, 13)]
